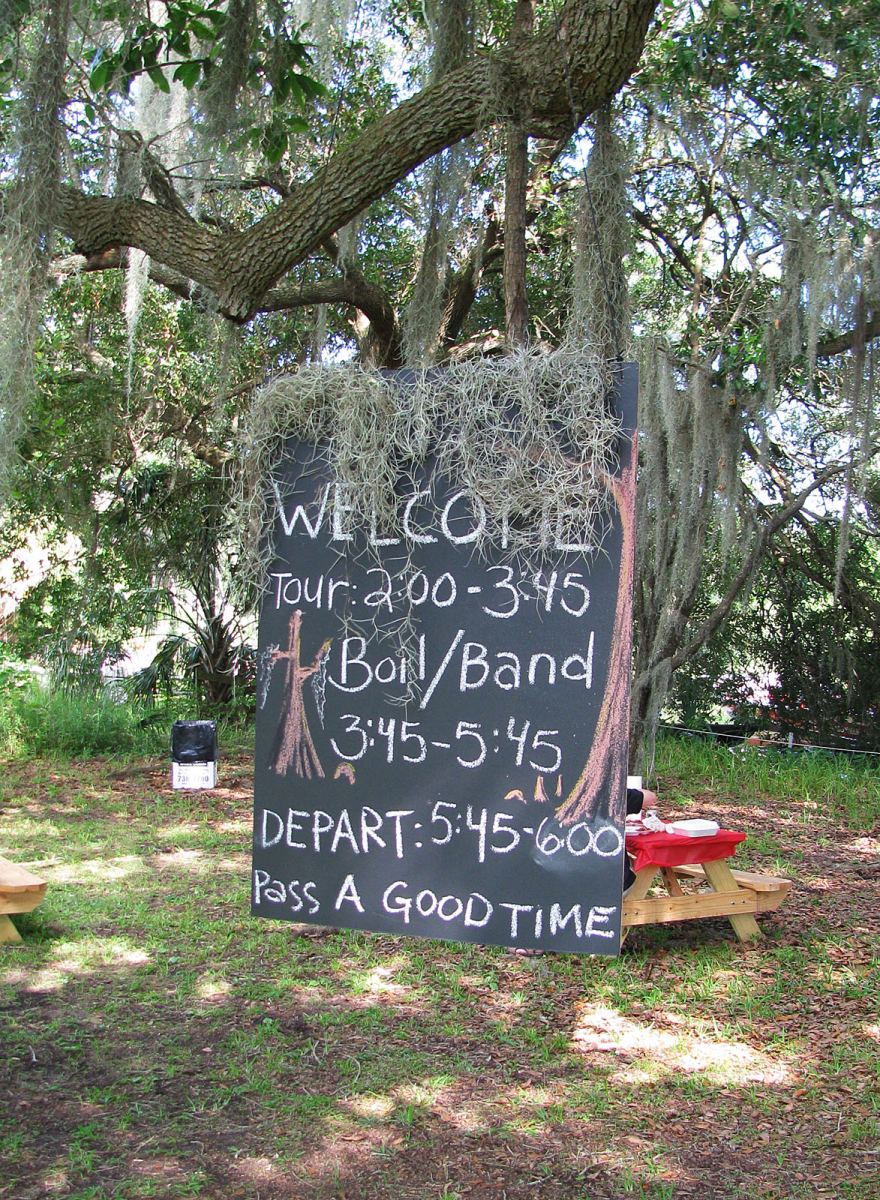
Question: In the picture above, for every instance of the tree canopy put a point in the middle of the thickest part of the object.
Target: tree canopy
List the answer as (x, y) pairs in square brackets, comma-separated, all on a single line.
[(197, 194), (563, 71)]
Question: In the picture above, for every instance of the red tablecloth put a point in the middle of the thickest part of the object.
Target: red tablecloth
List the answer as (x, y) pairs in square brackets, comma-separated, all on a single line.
[(675, 850)]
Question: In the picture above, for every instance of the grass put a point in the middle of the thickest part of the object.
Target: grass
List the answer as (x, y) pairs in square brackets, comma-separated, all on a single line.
[(800, 783), (155, 1040), (37, 721)]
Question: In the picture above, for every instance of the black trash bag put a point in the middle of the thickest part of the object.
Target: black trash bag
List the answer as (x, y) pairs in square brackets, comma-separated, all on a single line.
[(194, 741)]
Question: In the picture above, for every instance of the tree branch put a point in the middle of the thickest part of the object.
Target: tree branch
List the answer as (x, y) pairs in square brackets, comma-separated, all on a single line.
[(529, 81), (719, 614), (465, 283), (847, 341)]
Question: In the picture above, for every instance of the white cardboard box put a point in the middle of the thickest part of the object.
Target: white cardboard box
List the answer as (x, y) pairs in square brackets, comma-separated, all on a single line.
[(695, 828)]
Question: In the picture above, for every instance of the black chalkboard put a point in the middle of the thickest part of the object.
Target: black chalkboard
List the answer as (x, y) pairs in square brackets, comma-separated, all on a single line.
[(442, 736)]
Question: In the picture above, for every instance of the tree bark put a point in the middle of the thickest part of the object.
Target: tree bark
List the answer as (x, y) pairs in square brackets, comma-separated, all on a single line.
[(596, 47), (516, 305), (465, 283)]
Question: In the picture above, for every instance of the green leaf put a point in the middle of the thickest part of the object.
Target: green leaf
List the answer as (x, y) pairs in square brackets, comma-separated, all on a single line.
[(101, 75), (311, 87), (275, 142), (177, 17), (282, 88), (217, 19), (180, 44), (203, 31), (188, 73), (133, 63), (158, 77), (151, 49)]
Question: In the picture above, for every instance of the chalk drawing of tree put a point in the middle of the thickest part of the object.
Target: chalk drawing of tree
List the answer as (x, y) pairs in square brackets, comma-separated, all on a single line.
[(295, 746), (606, 766)]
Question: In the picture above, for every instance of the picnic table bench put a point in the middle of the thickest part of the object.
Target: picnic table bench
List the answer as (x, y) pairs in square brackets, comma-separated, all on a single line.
[(738, 895), (20, 891)]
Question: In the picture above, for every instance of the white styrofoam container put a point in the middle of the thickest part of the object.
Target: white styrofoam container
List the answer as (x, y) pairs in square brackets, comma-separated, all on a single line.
[(194, 775), (695, 827)]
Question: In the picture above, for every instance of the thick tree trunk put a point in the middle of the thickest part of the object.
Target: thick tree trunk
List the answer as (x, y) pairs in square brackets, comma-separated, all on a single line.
[(516, 305), (597, 45)]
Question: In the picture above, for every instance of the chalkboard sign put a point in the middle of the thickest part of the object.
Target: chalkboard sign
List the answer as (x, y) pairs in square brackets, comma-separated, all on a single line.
[(441, 744)]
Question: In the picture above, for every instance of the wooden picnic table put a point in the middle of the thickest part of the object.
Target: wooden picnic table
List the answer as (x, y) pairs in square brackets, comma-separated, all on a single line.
[(696, 862), (20, 891)]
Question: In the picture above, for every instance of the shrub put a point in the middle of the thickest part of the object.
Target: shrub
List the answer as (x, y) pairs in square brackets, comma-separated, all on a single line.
[(36, 721)]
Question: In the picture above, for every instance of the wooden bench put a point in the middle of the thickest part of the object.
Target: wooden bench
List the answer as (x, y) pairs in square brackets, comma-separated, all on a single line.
[(754, 881), (20, 891), (737, 895)]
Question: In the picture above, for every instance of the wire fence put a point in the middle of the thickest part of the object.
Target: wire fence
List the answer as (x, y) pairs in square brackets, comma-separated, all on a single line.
[(789, 744)]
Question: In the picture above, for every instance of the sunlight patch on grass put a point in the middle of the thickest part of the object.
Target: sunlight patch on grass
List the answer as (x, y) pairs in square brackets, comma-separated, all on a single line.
[(535, 1097), (234, 864), (56, 1183), (422, 1095), (49, 979), (645, 1072), (183, 829), (370, 1108), (40, 864), (85, 958), (240, 862), (381, 981), (459, 1108), (192, 860), (133, 958), (467, 1120), (341, 1161), (196, 862), (24, 978), (234, 828), (86, 870), (673, 1050), (504, 1008), (526, 1127), (377, 982), (33, 825), (819, 883), (255, 1170), (212, 989)]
